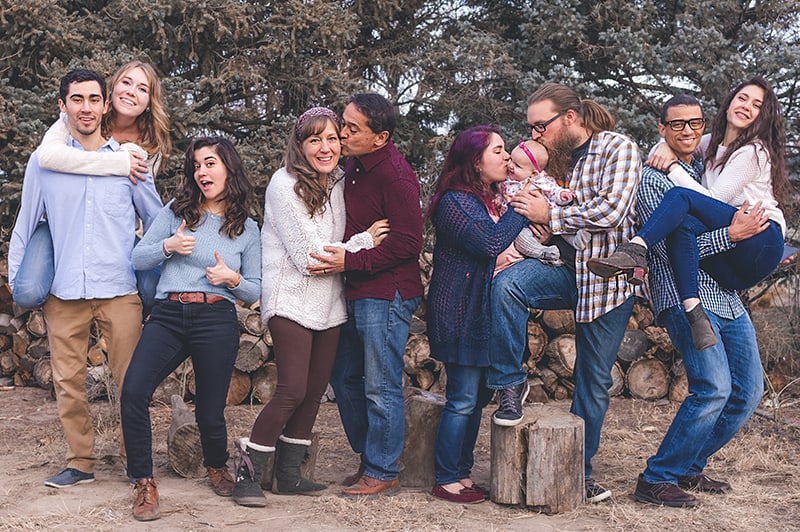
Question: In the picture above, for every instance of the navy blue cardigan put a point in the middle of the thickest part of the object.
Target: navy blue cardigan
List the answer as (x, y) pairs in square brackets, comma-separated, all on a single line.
[(468, 242)]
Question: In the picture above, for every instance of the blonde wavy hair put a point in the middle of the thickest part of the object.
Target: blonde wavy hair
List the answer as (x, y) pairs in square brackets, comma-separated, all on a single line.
[(153, 123)]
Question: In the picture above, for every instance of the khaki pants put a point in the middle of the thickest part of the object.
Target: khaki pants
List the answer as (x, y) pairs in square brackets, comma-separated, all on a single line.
[(119, 320)]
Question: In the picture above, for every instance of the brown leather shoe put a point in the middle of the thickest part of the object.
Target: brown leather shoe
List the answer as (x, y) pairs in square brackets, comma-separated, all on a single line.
[(355, 477), (221, 480), (704, 484), (145, 500), (663, 493), (368, 486)]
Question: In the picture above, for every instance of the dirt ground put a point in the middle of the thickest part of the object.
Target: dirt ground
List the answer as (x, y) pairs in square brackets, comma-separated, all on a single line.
[(761, 463)]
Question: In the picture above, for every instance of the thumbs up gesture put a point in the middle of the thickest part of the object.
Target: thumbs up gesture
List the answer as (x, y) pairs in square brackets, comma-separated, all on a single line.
[(219, 273), (179, 243)]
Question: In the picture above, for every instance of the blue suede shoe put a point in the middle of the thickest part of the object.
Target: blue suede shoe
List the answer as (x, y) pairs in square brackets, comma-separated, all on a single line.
[(69, 477)]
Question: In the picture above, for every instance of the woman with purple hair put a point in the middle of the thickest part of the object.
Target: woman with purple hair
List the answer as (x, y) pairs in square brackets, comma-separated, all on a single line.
[(303, 212), (474, 240)]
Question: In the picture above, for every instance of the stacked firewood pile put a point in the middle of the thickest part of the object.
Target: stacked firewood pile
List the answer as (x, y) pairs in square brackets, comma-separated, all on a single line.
[(647, 365)]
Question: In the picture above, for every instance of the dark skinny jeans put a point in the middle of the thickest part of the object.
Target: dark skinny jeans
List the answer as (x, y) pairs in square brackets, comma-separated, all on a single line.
[(175, 331), (682, 215)]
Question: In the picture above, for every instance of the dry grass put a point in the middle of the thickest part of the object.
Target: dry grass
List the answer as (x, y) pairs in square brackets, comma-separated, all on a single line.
[(760, 462)]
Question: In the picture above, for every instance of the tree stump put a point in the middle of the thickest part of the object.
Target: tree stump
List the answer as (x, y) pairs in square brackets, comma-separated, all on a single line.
[(647, 378), (539, 463), (183, 441), (422, 412)]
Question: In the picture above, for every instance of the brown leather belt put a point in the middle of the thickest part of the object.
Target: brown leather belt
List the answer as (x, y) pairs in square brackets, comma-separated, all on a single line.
[(194, 297)]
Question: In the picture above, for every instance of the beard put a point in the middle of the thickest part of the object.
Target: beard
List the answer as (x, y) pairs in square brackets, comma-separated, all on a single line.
[(560, 151)]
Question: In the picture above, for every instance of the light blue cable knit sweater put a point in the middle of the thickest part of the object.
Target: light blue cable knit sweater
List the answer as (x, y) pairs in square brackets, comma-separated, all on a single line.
[(187, 273)]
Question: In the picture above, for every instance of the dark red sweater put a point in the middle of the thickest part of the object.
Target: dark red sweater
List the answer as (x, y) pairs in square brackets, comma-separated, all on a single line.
[(383, 185)]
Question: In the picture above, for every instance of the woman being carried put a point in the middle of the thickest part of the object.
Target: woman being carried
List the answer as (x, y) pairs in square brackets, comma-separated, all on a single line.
[(138, 121), (744, 158), (303, 212), (211, 256)]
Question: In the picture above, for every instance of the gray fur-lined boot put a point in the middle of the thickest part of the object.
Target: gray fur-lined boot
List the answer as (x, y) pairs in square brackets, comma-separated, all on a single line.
[(290, 453), (249, 468)]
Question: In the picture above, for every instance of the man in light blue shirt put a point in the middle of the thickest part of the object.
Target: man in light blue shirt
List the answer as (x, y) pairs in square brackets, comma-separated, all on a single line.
[(92, 221)]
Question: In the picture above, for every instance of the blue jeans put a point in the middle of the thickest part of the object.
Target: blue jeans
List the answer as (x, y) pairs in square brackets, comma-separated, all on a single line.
[(725, 387), (174, 332), (682, 215), (467, 395), (532, 284), (37, 270), (368, 381)]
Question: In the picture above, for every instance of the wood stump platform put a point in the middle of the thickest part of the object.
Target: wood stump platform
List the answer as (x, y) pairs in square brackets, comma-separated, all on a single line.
[(539, 463)]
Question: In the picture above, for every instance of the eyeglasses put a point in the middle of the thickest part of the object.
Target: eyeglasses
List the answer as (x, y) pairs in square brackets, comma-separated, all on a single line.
[(541, 127), (678, 125)]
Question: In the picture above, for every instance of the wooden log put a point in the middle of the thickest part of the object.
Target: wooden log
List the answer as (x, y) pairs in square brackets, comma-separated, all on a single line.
[(643, 314), (537, 343), (633, 346), (561, 353), (5, 342), (647, 378), (239, 388), (548, 376), (39, 348), (265, 380), (417, 326), (184, 451), (539, 463), (559, 321), (659, 337), (422, 413), (560, 393), (307, 466), (95, 357), (10, 324), (423, 379), (6, 301), (617, 380), (43, 373), (249, 321), (98, 383), (679, 385), (9, 362), (417, 349), (20, 340), (253, 352), (537, 393), (35, 324)]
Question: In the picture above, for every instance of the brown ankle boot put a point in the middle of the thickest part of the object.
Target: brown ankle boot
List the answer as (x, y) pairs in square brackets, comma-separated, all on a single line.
[(145, 500), (221, 480)]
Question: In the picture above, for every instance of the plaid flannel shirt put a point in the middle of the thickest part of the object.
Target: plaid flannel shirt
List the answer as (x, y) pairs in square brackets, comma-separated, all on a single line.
[(664, 295), (604, 181)]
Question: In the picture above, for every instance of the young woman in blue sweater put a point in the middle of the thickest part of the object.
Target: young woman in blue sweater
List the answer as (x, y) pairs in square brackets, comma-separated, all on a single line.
[(211, 256), (473, 240)]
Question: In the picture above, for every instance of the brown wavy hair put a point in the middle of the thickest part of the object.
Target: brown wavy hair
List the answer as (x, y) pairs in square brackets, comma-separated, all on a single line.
[(238, 188), (308, 186), (767, 129), (153, 123), (593, 116)]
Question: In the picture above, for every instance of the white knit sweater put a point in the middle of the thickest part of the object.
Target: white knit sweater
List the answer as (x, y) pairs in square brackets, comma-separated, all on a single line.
[(288, 237), (746, 176)]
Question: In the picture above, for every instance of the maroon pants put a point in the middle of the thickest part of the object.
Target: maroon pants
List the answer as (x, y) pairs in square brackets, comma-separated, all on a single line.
[(304, 359)]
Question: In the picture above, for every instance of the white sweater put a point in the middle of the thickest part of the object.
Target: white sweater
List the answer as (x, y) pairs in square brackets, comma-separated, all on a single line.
[(288, 237), (746, 176)]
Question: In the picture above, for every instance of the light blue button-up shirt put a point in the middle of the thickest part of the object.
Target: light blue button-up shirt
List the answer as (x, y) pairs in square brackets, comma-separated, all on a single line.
[(92, 221)]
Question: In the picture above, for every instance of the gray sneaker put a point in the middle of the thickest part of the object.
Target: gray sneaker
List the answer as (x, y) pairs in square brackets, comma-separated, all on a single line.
[(69, 477), (511, 400)]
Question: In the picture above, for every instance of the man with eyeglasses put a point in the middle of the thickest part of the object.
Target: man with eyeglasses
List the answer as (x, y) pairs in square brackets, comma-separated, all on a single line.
[(602, 168), (714, 410)]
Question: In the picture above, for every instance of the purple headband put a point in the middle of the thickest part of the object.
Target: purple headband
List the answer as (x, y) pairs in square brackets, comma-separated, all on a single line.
[(311, 113)]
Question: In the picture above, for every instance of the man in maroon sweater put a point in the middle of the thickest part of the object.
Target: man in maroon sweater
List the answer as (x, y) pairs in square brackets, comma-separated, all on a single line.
[(382, 288)]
